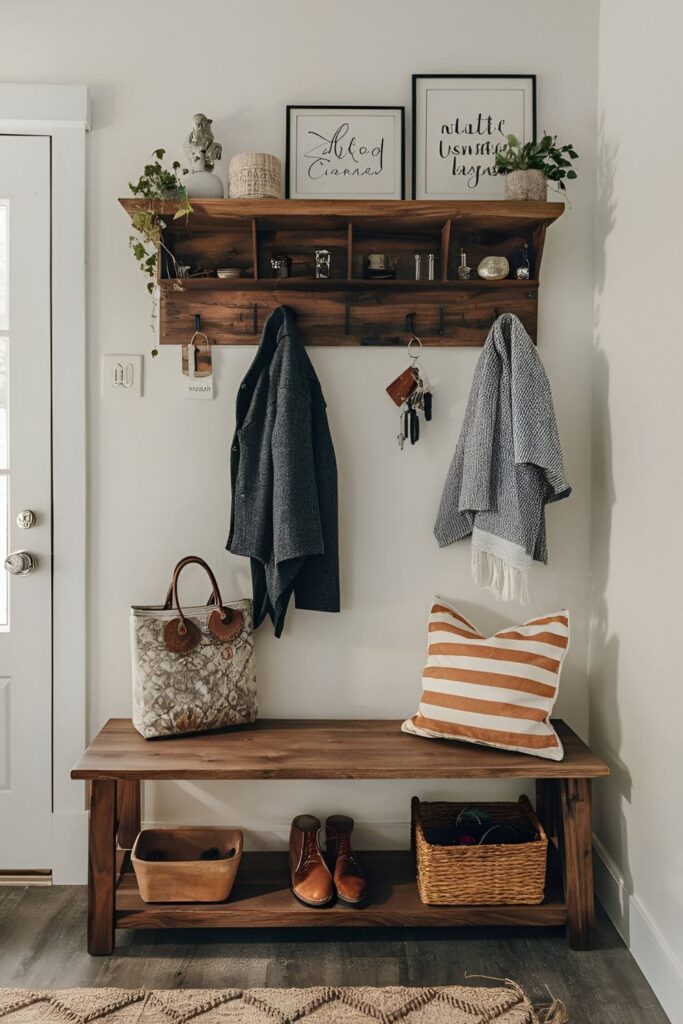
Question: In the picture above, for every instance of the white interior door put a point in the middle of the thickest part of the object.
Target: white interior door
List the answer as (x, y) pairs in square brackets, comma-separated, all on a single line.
[(25, 485)]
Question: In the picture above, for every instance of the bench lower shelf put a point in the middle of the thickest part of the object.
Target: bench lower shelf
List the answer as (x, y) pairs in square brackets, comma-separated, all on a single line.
[(262, 898)]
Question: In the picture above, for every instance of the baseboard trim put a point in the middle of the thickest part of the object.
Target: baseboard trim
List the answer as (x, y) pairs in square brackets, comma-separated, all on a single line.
[(648, 946), (25, 878)]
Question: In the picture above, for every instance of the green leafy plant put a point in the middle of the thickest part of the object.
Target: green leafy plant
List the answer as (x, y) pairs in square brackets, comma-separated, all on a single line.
[(555, 161), (156, 184)]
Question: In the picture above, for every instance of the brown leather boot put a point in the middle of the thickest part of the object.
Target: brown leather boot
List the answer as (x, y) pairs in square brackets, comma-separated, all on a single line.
[(349, 880), (312, 882)]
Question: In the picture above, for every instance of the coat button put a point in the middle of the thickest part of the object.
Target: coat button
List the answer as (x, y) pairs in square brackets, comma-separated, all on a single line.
[(234, 447), (243, 386)]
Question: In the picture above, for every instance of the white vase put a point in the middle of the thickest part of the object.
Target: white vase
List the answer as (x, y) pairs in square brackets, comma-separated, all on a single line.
[(203, 185), (526, 185)]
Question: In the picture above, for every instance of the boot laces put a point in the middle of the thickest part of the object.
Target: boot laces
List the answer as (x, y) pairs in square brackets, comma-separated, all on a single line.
[(344, 850), (311, 852)]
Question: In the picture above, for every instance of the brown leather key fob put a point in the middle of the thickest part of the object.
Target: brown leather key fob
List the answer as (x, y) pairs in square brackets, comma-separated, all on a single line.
[(401, 388)]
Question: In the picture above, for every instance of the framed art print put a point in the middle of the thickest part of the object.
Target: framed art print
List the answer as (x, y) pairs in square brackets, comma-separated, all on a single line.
[(345, 152), (459, 124)]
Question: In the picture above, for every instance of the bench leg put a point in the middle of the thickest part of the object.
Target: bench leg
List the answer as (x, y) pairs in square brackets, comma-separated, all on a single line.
[(575, 800), (101, 866), (546, 805), (128, 812)]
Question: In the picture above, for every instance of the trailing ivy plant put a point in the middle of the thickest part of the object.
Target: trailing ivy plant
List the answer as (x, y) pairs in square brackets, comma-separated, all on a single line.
[(555, 161), (156, 184)]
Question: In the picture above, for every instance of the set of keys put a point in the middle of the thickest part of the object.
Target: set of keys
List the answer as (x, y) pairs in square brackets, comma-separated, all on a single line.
[(413, 394), (419, 400)]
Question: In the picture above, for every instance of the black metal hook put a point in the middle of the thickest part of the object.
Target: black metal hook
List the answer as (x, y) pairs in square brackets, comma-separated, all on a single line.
[(198, 323), (410, 327), (347, 318)]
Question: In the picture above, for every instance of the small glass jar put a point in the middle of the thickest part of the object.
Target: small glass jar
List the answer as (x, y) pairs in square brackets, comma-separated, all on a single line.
[(280, 265), (323, 264), (464, 272)]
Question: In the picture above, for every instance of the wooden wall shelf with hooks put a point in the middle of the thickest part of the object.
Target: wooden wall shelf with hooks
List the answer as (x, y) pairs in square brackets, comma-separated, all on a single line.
[(347, 309)]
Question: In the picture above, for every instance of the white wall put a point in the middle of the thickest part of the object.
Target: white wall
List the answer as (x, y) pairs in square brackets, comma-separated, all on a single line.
[(636, 699), (158, 468)]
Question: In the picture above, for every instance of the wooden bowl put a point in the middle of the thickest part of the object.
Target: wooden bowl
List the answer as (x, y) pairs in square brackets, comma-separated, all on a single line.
[(168, 867)]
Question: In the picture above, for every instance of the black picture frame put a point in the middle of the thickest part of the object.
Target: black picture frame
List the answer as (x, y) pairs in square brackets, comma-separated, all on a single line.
[(531, 78), (396, 110)]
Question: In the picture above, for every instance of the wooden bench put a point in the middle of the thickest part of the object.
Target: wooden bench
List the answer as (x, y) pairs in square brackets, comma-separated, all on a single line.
[(119, 760)]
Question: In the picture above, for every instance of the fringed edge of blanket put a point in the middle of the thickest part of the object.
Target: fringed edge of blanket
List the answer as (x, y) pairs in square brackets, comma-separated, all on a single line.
[(506, 581)]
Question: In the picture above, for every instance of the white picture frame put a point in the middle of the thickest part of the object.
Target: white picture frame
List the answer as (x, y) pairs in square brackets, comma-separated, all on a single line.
[(459, 123), (345, 152)]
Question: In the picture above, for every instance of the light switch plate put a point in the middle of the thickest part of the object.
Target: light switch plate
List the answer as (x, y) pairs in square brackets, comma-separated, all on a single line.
[(121, 376)]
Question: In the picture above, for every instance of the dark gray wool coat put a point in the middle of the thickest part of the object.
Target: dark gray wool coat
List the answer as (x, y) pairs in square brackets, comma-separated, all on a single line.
[(284, 479)]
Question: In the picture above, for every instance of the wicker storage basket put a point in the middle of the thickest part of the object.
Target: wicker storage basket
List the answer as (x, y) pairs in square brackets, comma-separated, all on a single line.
[(487, 874), (255, 176)]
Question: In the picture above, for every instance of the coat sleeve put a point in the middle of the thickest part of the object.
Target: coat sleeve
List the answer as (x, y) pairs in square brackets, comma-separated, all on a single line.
[(536, 437), (297, 528), (451, 524), (468, 484), (479, 435)]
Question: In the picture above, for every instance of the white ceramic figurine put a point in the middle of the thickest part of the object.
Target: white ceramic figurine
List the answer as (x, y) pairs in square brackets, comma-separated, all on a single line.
[(202, 152)]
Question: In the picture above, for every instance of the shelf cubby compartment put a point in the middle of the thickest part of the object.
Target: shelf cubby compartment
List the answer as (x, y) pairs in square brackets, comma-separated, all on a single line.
[(347, 309)]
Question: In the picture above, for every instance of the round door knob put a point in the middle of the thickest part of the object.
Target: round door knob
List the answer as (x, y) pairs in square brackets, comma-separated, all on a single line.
[(26, 519), (20, 563)]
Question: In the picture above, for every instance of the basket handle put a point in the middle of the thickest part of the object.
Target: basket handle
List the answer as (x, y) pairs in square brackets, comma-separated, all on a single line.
[(530, 813)]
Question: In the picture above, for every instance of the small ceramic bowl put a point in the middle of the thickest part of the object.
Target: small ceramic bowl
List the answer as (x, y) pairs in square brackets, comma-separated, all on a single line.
[(228, 272)]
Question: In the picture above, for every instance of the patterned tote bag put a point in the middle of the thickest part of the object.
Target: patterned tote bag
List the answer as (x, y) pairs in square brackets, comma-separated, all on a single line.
[(193, 668)]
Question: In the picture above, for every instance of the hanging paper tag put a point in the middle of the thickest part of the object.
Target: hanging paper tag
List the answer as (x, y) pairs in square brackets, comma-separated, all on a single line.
[(197, 366), (198, 387)]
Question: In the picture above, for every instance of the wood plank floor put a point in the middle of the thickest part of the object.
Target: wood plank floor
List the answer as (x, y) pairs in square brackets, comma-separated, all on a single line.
[(42, 945)]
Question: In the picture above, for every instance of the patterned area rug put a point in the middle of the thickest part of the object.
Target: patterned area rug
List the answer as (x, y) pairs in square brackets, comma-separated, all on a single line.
[(453, 1005)]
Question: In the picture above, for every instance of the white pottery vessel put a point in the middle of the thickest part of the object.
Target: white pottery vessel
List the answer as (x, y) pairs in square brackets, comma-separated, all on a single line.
[(203, 185)]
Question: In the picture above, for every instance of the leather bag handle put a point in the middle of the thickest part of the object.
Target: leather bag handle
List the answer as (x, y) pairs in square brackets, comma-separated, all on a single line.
[(172, 595), (214, 596), (181, 635)]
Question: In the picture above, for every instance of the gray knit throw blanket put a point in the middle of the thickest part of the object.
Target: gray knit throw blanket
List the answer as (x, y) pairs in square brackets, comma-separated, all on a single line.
[(507, 464)]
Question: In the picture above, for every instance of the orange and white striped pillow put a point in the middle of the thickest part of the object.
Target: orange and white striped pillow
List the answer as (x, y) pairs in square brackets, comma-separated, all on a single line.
[(498, 690)]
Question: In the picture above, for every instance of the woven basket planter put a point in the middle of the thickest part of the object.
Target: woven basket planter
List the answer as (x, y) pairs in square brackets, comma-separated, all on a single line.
[(476, 875), (255, 176)]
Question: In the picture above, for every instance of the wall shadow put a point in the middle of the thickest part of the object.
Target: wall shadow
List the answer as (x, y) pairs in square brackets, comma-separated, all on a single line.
[(605, 729)]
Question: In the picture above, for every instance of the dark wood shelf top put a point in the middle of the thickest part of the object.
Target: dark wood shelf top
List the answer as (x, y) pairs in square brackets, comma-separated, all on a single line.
[(262, 898), (319, 749), (335, 214), (312, 284)]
